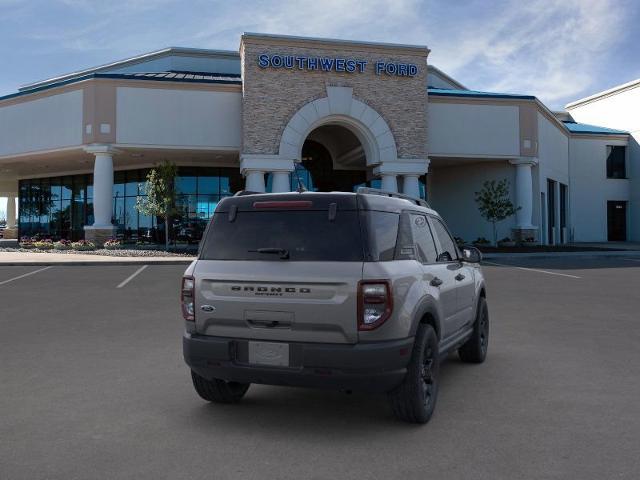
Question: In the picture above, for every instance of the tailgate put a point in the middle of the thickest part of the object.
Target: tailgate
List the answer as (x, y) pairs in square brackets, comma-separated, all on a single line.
[(280, 301)]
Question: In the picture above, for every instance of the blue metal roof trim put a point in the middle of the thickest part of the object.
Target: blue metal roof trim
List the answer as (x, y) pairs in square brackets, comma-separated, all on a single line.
[(229, 79), (575, 127), (444, 92)]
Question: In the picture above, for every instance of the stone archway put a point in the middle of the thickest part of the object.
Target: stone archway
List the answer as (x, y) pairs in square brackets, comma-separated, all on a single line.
[(340, 108)]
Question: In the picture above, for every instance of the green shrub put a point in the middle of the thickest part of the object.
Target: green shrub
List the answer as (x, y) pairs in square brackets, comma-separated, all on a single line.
[(43, 244), (83, 245), (62, 245), (112, 244)]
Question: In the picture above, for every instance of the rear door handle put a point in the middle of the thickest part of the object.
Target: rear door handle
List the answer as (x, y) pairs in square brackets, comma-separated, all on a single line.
[(459, 277), (436, 282)]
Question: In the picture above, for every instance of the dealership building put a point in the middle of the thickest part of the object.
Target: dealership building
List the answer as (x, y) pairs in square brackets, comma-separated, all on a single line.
[(328, 114)]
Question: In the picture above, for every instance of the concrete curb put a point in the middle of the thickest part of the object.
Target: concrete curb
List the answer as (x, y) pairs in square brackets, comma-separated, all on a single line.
[(543, 255), (83, 263)]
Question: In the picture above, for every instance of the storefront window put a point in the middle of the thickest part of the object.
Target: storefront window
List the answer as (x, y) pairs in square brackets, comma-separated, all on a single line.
[(60, 207)]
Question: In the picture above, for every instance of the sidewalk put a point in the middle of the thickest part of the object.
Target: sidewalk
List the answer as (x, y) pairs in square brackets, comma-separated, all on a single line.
[(594, 253), (32, 258), (45, 259), (616, 245)]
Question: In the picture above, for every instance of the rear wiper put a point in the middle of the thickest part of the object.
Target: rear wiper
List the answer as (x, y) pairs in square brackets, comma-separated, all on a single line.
[(284, 254)]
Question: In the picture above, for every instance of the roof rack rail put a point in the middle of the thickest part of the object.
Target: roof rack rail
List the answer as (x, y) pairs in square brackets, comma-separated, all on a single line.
[(385, 193), (242, 193)]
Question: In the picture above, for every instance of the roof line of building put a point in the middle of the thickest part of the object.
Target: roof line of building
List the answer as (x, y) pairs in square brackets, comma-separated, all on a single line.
[(121, 76), (333, 41), (445, 92), (604, 93), (132, 61), (592, 130), (446, 76)]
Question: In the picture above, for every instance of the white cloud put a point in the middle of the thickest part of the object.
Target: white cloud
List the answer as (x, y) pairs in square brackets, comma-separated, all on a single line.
[(548, 48), (554, 49), (349, 19), (543, 47)]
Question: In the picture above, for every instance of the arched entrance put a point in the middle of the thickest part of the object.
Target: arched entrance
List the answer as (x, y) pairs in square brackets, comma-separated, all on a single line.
[(333, 159), (340, 141)]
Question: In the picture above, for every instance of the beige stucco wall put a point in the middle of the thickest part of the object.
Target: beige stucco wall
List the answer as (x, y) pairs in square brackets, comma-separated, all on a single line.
[(459, 129), (272, 96), (50, 122), (184, 118)]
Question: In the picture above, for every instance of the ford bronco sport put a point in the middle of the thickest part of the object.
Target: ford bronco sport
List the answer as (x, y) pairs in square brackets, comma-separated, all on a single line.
[(361, 291)]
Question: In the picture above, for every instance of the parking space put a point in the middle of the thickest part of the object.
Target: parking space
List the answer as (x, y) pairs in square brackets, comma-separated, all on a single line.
[(94, 386), (8, 274)]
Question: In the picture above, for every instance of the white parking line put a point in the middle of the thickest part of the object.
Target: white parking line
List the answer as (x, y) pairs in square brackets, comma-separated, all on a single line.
[(132, 276), (532, 270), (25, 275)]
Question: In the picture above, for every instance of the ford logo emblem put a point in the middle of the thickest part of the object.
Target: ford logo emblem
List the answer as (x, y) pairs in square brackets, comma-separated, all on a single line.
[(207, 308)]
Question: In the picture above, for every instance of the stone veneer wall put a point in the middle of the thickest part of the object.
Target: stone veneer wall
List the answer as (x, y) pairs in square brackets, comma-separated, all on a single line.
[(271, 96)]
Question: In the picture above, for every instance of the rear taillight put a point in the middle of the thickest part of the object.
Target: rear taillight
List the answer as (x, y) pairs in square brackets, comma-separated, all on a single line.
[(375, 303), (186, 298)]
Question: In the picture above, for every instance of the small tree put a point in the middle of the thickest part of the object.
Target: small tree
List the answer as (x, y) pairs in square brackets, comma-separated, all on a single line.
[(494, 203), (160, 193)]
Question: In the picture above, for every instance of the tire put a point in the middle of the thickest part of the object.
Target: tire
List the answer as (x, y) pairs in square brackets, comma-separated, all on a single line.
[(219, 391), (414, 400), (474, 350)]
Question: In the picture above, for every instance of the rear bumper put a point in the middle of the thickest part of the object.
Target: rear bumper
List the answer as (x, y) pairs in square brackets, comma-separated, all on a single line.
[(369, 367)]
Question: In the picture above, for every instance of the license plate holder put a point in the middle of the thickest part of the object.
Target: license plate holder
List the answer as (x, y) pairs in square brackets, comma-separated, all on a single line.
[(269, 353)]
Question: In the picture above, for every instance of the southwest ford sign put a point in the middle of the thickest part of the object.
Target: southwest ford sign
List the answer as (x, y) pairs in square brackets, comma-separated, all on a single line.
[(331, 64)]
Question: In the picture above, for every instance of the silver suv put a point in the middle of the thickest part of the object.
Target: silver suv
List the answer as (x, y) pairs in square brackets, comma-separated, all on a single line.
[(358, 291)]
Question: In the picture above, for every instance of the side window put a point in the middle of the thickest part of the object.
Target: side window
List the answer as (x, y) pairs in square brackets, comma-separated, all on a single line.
[(383, 233), (616, 161), (422, 238), (448, 247)]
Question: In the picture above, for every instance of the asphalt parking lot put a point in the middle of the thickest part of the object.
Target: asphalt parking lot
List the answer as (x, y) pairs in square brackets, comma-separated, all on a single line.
[(92, 385)]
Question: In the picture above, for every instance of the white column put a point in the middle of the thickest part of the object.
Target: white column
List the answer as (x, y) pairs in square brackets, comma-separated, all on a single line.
[(280, 182), (102, 193), (254, 180), (409, 171), (11, 211), (103, 190), (411, 186), (253, 167), (389, 182), (524, 192)]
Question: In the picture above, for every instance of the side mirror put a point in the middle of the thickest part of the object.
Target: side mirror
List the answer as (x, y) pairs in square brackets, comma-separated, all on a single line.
[(471, 255)]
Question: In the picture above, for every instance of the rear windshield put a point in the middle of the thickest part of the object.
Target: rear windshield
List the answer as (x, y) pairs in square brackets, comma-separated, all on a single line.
[(303, 234)]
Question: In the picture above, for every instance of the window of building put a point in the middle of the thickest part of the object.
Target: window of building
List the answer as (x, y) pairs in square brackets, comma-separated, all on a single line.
[(616, 161), (60, 207)]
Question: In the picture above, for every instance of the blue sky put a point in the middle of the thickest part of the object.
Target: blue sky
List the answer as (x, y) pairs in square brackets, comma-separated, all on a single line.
[(557, 50)]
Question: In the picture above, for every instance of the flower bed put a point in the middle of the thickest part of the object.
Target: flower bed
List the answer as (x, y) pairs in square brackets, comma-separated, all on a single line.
[(113, 244), (43, 244), (83, 245), (62, 245), (112, 248)]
